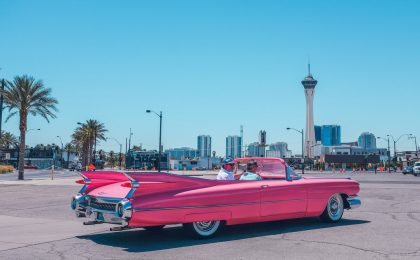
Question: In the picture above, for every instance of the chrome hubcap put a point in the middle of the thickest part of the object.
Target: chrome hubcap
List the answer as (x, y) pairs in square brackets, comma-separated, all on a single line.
[(206, 228), (335, 207)]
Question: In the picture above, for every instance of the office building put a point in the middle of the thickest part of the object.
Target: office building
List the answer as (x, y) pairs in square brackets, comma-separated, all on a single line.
[(367, 141), (256, 150), (331, 135), (318, 133), (281, 150), (182, 153), (233, 146), (204, 145)]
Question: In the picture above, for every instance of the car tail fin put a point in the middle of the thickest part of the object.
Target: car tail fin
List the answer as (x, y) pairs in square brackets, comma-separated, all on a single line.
[(134, 185), (93, 180)]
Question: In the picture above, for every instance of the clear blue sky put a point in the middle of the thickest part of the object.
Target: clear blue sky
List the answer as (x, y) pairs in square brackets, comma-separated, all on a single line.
[(211, 66)]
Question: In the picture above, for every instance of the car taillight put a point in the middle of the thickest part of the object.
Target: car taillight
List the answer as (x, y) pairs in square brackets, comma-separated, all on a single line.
[(80, 182), (127, 185)]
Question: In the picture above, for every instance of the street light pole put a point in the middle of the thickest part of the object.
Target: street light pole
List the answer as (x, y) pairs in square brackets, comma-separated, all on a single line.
[(160, 140), (411, 136), (62, 148), (389, 156), (160, 135), (1, 105), (120, 157), (395, 145), (303, 157), (388, 153)]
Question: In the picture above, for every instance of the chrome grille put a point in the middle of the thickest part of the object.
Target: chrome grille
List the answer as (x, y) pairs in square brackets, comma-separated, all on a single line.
[(96, 204)]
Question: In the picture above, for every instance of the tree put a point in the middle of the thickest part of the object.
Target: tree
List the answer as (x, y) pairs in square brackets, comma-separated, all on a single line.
[(86, 136), (7, 139), (25, 96), (69, 148), (111, 159)]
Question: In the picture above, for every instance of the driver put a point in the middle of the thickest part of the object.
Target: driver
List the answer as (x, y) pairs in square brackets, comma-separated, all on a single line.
[(251, 172), (226, 173)]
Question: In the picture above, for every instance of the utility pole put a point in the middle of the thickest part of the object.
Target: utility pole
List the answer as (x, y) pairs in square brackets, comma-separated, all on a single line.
[(1, 105)]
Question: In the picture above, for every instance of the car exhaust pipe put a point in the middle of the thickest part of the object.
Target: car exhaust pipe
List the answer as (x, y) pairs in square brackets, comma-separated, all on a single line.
[(120, 228)]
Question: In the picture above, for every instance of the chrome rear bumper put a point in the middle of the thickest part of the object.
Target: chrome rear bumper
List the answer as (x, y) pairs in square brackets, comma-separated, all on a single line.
[(354, 202), (102, 210)]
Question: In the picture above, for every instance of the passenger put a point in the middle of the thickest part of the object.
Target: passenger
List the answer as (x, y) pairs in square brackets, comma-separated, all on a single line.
[(251, 172), (226, 172)]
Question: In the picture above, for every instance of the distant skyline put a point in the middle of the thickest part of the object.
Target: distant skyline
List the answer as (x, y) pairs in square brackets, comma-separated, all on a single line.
[(212, 66)]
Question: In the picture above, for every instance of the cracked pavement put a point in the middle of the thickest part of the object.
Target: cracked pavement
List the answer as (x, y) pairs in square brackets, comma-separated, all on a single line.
[(36, 222)]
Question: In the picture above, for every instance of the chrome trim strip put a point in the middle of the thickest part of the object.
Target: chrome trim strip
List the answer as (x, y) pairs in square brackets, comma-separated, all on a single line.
[(212, 206), (87, 182), (193, 207), (134, 185)]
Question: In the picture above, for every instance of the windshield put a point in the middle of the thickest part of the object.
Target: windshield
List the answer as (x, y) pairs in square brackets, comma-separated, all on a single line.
[(417, 164), (269, 168)]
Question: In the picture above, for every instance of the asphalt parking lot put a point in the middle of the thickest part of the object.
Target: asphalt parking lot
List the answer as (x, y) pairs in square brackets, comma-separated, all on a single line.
[(36, 222)]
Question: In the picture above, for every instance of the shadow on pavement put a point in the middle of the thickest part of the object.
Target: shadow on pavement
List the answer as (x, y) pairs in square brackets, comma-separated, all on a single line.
[(139, 240)]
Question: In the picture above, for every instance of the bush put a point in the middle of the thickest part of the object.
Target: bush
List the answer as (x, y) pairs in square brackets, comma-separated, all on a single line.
[(6, 169)]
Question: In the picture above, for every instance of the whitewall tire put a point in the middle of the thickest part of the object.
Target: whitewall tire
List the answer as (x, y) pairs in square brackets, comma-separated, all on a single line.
[(334, 209), (204, 229)]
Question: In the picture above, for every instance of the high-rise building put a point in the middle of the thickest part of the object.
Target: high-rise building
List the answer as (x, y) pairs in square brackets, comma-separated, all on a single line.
[(256, 150), (367, 141), (263, 137), (331, 135), (318, 133), (233, 146), (204, 145), (309, 84), (182, 153), (281, 148)]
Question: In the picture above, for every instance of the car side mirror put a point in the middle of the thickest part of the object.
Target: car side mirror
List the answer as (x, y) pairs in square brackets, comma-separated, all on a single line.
[(288, 173)]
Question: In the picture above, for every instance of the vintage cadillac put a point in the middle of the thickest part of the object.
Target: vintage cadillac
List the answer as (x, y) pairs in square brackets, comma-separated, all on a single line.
[(203, 206)]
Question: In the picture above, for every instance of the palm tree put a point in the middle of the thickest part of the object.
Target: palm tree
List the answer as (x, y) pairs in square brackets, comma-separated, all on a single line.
[(7, 139), (86, 137), (69, 148), (27, 97), (111, 159)]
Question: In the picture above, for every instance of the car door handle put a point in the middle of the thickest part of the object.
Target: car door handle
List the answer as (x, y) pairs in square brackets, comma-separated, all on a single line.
[(264, 186)]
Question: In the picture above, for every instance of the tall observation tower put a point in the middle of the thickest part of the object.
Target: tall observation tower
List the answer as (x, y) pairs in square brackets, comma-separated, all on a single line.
[(309, 84)]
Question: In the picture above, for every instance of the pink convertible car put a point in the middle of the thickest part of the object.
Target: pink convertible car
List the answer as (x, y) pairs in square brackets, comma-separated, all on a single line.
[(153, 200)]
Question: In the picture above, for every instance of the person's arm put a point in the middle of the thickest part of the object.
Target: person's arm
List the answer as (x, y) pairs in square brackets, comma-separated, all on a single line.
[(238, 175)]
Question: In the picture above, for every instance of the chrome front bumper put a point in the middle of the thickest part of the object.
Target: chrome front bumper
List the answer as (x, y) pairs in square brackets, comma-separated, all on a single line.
[(102, 210), (354, 202)]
